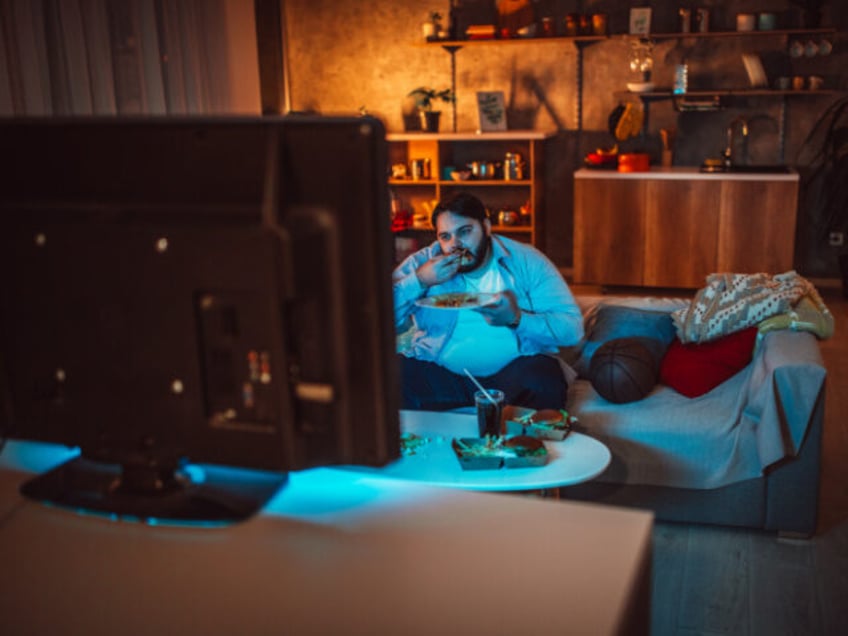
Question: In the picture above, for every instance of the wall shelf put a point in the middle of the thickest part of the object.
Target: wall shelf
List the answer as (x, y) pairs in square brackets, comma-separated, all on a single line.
[(443, 150), (587, 39)]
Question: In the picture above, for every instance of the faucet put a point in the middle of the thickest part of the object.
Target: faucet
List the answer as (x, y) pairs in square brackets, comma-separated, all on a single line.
[(728, 153)]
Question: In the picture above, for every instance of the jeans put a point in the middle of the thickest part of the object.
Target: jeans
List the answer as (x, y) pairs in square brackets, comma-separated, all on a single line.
[(533, 381)]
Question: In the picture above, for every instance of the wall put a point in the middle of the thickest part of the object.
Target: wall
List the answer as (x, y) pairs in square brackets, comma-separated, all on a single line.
[(348, 54)]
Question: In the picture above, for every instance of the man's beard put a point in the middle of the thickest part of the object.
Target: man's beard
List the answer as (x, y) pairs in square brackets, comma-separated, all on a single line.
[(479, 255)]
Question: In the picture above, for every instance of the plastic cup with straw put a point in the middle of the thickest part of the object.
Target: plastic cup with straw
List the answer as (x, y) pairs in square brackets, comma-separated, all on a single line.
[(489, 404)]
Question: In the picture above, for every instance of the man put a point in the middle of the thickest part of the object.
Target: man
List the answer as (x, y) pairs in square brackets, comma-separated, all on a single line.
[(508, 343)]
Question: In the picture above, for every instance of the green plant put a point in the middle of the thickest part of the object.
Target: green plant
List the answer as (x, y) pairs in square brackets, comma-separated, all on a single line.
[(424, 97)]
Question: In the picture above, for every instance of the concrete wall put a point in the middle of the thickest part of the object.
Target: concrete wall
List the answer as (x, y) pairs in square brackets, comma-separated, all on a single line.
[(348, 54)]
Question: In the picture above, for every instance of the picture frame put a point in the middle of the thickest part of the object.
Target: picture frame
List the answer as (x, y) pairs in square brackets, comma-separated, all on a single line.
[(491, 111), (640, 21)]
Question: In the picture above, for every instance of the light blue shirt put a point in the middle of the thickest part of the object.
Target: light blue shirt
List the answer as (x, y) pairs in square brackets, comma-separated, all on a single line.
[(550, 318)]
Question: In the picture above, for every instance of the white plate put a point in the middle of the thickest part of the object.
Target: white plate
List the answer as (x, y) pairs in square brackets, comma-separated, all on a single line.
[(458, 300), (640, 87)]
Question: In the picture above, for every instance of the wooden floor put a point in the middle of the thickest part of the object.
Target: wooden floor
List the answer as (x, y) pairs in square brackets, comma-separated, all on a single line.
[(714, 580)]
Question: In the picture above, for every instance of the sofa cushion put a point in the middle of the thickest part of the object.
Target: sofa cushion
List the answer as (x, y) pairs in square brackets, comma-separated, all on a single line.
[(610, 322), (696, 369)]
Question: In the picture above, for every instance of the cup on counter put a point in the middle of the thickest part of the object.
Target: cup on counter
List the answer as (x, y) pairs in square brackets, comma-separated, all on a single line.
[(766, 21), (419, 169), (798, 83), (782, 83), (815, 82), (702, 20), (489, 411), (746, 22), (599, 23), (572, 24), (685, 20)]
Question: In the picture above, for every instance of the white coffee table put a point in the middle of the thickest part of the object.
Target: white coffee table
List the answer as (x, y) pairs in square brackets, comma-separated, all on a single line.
[(576, 459)]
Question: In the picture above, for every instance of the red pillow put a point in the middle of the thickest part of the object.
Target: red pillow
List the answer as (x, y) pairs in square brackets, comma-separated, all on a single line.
[(695, 369)]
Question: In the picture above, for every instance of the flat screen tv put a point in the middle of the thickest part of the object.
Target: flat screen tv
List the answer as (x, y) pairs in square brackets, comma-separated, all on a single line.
[(186, 298)]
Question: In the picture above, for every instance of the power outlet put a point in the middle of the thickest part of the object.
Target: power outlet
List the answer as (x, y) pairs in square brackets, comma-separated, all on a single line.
[(836, 239)]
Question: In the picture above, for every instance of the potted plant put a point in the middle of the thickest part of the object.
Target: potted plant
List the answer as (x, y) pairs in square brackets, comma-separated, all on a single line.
[(424, 98)]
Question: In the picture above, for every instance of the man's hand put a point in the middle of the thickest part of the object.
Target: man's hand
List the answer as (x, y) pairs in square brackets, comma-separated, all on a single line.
[(503, 311), (438, 269)]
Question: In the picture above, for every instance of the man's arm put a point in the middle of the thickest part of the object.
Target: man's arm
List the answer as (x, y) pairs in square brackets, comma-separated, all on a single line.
[(549, 316)]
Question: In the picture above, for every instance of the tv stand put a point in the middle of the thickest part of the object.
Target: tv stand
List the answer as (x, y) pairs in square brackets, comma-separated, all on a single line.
[(194, 495)]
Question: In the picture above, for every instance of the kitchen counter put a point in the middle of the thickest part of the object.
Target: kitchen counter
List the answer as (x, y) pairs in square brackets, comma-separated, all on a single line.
[(672, 227), (686, 173)]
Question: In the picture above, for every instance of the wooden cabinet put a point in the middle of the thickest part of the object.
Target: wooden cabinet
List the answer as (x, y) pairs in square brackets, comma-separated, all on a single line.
[(673, 227), (443, 152)]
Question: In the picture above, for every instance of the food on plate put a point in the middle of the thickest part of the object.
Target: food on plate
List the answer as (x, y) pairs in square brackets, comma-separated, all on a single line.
[(548, 424), (456, 300), (524, 451), (488, 453), (411, 444)]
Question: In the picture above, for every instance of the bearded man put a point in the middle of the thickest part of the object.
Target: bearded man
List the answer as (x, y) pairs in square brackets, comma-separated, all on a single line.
[(508, 341)]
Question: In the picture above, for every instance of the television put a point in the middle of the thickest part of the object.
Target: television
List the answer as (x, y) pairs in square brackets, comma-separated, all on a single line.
[(200, 305)]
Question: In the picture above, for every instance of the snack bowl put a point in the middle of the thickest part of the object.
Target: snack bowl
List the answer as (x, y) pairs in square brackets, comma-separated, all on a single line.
[(460, 175), (640, 87)]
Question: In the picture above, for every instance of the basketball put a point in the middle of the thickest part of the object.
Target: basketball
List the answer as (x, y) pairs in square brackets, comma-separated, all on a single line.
[(623, 370)]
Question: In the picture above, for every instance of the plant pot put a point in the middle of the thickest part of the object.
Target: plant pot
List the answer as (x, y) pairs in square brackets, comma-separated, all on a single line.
[(430, 120)]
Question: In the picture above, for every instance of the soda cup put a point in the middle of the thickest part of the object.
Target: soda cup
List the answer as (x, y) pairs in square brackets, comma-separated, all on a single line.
[(489, 412)]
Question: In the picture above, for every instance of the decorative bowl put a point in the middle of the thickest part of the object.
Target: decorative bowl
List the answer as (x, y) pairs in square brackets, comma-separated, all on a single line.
[(640, 87)]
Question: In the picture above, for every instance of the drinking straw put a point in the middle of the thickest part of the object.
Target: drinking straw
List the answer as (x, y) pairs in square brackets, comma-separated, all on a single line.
[(480, 386)]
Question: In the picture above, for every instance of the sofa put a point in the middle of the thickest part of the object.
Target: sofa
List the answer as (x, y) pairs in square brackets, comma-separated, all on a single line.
[(743, 453)]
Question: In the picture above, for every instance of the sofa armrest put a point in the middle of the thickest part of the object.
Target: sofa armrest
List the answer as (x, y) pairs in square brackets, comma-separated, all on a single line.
[(784, 388)]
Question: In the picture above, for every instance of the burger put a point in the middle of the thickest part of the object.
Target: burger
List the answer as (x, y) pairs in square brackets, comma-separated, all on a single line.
[(550, 424)]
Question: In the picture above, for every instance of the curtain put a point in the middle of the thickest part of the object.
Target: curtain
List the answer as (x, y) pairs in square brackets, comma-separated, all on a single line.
[(113, 57)]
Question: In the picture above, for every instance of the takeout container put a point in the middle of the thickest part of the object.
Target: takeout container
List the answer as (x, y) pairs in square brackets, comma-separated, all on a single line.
[(546, 424), (480, 453)]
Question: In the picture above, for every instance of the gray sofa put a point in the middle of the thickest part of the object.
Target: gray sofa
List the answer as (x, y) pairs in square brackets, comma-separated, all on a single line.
[(747, 453)]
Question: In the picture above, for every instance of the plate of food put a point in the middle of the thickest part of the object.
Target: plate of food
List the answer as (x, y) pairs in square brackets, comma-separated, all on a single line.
[(457, 300)]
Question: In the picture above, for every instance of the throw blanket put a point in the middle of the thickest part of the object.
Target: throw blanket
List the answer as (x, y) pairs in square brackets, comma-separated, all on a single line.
[(731, 302)]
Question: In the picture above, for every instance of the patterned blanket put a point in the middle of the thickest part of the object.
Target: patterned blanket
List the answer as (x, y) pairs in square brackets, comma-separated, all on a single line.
[(731, 302)]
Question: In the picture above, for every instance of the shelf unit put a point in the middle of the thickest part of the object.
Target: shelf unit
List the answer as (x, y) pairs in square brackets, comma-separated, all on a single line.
[(445, 150), (581, 41)]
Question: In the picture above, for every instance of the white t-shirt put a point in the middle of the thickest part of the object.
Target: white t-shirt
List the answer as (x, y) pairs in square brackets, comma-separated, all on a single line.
[(475, 344)]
